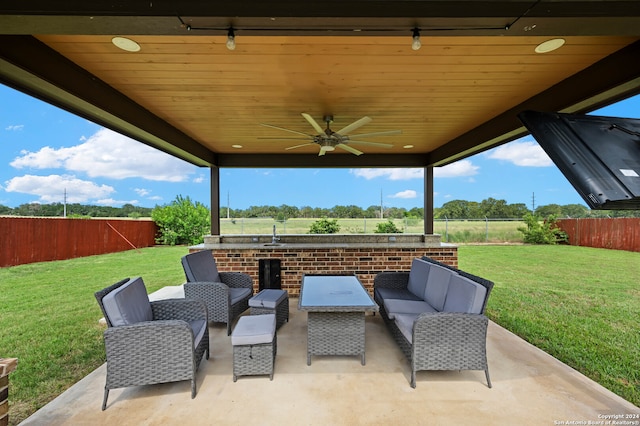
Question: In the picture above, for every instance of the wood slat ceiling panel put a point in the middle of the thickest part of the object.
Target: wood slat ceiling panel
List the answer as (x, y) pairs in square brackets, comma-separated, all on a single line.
[(220, 97)]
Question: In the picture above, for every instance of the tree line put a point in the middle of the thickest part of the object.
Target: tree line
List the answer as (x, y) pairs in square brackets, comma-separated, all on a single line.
[(490, 208), (75, 210)]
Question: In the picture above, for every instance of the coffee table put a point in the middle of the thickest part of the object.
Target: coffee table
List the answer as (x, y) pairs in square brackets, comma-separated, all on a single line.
[(336, 307)]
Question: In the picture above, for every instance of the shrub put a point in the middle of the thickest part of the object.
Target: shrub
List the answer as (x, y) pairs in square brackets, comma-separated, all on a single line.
[(387, 228), (542, 231), (182, 222), (324, 226)]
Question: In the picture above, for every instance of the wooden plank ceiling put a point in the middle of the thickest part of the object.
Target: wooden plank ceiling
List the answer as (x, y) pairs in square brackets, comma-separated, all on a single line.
[(220, 97)]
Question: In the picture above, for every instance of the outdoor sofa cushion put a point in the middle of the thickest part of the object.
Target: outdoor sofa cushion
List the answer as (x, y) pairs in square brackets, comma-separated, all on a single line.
[(418, 276), (437, 286), (395, 293), (399, 306), (254, 330), (464, 295), (404, 322), (128, 304)]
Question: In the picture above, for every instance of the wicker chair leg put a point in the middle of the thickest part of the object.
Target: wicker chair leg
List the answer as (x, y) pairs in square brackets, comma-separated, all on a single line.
[(486, 372), (104, 400), (193, 387), (413, 379), (229, 328)]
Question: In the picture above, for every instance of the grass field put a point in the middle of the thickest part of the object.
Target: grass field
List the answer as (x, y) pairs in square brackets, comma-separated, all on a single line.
[(581, 305), (455, 231)]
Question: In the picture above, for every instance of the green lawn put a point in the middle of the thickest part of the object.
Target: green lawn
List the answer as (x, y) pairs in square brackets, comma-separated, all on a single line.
[(581, 305), (454, 231)]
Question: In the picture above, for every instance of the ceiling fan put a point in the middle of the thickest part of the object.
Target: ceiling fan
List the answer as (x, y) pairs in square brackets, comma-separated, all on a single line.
[(329, 140)]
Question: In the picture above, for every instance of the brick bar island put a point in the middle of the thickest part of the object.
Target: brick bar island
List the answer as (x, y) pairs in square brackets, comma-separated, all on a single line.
[(363, 254)]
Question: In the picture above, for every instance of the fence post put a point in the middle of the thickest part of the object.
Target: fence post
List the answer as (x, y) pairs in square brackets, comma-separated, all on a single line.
[(446, 229), (365, 225), (486, 229)]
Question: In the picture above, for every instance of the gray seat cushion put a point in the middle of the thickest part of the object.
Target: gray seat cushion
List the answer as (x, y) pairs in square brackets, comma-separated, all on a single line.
[(395, 293), (268, 298), (254, 330), (237, 294), (128, 304), (418, 277), (399, 306), (464, 295), (200, 266), (437, 283), (404, 322), (198, 327)]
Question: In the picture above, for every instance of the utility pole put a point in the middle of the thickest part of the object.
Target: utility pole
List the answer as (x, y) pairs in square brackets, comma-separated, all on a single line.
[(64, 214), (381, 206), (533, 203), (228, 209)]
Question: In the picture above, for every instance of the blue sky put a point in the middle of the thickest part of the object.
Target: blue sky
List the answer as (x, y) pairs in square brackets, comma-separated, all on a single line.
[(45, 151)]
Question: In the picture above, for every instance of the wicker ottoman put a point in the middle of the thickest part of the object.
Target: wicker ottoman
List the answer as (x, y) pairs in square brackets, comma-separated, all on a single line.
[(254, 345), (271, 301)]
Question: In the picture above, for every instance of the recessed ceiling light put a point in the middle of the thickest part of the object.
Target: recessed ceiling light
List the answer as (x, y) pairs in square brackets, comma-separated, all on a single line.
[(236, 146), (550, 45), (126, 44), (408, 146)]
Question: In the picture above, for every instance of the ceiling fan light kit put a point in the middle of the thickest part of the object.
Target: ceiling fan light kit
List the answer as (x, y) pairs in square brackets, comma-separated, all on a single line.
[(328, 140)]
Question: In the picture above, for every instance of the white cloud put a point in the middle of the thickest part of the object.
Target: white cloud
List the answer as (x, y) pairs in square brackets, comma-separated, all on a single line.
[(155, 198), (198, 179), (457, 169), (525, 153), (112, 202), (391, 174), (51, 188), (15, 127), (111, 155), (409, 193), (141, 191)]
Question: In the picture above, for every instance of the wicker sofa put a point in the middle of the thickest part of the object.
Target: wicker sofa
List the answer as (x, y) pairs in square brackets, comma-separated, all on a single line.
[(436, 315)]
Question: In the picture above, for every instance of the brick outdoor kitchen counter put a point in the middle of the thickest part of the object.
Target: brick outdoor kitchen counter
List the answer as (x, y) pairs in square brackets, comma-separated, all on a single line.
[(362, 254)]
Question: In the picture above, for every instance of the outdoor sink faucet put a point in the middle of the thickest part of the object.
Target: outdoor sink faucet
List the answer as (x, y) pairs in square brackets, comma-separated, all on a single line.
[(274, 239)]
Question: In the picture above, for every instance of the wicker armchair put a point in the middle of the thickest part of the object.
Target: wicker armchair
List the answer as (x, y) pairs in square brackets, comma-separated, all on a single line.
[(226, 294), (151, 342), (439, 340)]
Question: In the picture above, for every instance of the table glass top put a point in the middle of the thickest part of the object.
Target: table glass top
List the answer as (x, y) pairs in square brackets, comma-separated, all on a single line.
[(333, 290)]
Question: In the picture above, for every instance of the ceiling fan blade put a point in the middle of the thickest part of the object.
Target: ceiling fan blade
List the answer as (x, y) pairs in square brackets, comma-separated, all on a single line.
[(300, 146), (387, 133), (286, 130), (287, 139), (353, 126), (323, 151), (349, 148), (382, 145), (313, 122)]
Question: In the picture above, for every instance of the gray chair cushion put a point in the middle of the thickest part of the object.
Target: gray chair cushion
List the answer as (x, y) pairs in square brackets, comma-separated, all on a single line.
[(437, 284), (268, 298), (128, 304), (404, 322), (399, 306), (395, 293), (464, 295), (418, 277), (237, 294), (254, 330), (200, 266), (198, 327)]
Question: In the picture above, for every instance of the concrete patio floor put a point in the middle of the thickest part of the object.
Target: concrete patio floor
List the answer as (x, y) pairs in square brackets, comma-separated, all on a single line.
[(529, 388)]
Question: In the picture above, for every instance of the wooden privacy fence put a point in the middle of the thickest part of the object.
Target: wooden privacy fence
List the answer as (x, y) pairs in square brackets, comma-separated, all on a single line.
[(610, 233), (27, 240)]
